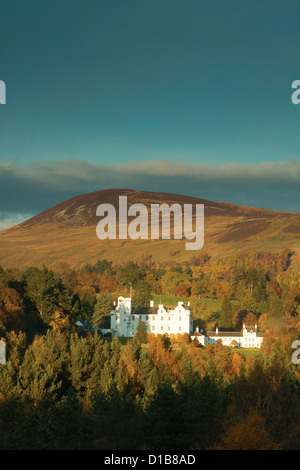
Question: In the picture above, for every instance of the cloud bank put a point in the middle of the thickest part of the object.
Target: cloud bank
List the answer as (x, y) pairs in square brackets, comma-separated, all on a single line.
[(33, 188)]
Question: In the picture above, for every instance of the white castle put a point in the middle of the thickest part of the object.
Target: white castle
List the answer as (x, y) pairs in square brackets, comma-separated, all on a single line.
[(125, 317)]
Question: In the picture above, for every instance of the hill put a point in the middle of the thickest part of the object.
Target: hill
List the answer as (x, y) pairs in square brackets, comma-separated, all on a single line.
[(66, 232)]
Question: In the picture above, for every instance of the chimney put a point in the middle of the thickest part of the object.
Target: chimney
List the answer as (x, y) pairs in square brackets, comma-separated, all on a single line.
[(151, 303), (217, 330)]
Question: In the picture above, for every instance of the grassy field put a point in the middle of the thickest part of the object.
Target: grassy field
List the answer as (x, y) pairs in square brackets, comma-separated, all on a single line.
[(248, 352), (171, 301), (213, 305), (168, 300)]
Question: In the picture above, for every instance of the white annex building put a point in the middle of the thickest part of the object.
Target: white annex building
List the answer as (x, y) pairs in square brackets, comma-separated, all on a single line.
[(124, 319), (249, 337)]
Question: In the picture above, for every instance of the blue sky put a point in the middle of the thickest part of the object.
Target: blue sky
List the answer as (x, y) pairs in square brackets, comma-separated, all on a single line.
[(112, 83)]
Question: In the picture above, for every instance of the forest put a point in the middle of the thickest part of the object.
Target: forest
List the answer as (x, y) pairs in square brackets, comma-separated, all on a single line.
[(63, 387)]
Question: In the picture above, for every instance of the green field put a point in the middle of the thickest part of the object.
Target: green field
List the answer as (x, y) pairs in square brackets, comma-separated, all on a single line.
[(248, 352), (171, 301), (213, 305)]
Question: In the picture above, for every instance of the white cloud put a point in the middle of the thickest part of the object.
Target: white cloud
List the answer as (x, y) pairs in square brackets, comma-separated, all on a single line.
[(67, 173)]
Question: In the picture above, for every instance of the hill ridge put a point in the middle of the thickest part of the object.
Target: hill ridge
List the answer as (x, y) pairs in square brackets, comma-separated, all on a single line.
[(62, 212), (66, 233)]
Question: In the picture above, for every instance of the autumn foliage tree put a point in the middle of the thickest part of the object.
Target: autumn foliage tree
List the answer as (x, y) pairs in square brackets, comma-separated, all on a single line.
[(248, 434)]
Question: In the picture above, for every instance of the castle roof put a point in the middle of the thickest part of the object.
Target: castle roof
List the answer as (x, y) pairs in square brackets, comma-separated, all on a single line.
[(238, 334), (224, 333), (144, 310)]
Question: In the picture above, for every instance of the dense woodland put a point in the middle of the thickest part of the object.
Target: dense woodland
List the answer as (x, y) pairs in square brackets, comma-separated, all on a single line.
[(68, 388)]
